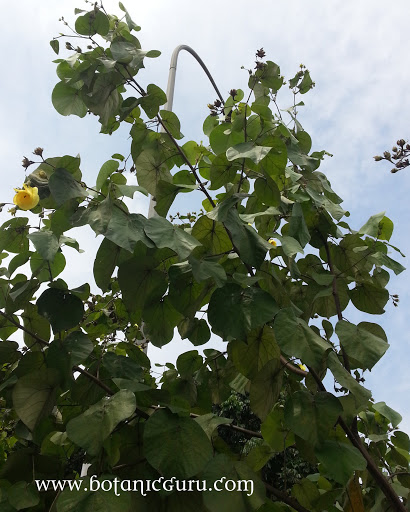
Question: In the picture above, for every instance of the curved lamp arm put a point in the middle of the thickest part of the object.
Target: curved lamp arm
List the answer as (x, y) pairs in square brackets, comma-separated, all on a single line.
[(170, 93)]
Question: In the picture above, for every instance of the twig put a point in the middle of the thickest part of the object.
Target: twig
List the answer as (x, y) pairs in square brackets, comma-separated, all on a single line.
[(285, 498)]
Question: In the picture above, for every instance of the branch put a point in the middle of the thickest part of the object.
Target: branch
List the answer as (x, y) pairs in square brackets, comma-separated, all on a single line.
[(291, 367), (76, 368), (336, 297), (378, 476), (282, 496)]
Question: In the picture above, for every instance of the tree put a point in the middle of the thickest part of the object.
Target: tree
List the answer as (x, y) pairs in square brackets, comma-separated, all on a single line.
[(267, 264)]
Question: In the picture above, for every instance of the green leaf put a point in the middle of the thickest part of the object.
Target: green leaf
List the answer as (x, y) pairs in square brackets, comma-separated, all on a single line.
[(247, 150), (93, 22), (139, 273), (220, 469), (152, 167), (78, 346), (266, 387), (297, 339), (13, 235), (386, 411), (160, 318), (126, 229), (234, 311), (61, 308), (105, 172), (67, 100), (127, 53), (34, 396), (340, 460), (95, 496), (297, 226), (188, 363), (9, 352), (274, 431), (64, 187), (36, 324), (175, 446), (196, 330), (251, 355), (121, 366), (251, 246), (307, 493), (204, 269), (381, 259), (46, 243), (154, 98), (165, 194), (47, 270), (209, 422), (311, 416), (369, 297), (306, 83), (378, 226), (130, 23), (212, 235), (90, 429), (274, 163), (17, 262), (129, 190), (171, 123), (360, 344), (222, 172), (105, 262), (165, 234), (345, 379), (55, 45), (23, 495), (290, 245), (222, 137), (267, 191)]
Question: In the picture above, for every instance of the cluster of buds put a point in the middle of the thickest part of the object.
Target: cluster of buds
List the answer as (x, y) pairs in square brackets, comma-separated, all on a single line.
[(38, 152), (70, 47), (396, 300), (398, 157), (26, 162), (190, 218), (216, 108), (260, 54)]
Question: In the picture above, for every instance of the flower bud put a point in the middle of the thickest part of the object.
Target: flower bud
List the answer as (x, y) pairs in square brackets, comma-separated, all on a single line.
[(38, 152), (378, 158), (26, 162)]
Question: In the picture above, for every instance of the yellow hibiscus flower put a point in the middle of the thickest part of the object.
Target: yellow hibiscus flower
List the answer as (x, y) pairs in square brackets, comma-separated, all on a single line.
[(26, 198)]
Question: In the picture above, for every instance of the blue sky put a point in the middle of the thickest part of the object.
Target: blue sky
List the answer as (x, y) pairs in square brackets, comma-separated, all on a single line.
[(356, 53)]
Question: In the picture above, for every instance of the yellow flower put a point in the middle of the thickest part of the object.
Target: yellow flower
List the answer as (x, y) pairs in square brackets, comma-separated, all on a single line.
[(272, 242), (26, 198), (302, 367)]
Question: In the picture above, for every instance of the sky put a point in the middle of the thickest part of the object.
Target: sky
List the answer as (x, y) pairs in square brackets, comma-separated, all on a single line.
[(356, 54)]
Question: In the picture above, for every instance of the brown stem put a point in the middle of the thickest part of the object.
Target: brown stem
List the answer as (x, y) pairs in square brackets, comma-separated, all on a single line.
[(378, 476), (285, 498), (291, 367), (76, 368)]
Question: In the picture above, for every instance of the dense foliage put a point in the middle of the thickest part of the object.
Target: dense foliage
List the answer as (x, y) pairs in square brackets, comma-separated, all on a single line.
[(267, 263)]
